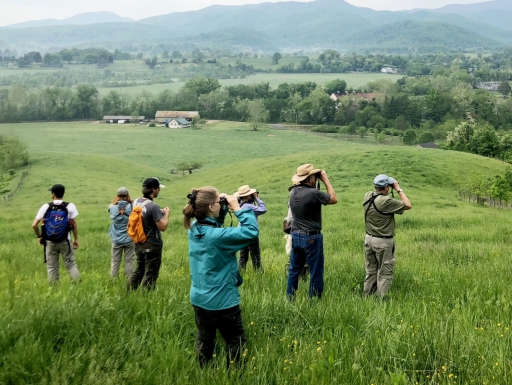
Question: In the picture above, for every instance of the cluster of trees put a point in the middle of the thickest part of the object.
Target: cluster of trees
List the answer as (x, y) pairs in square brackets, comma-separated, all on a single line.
[(497, 66), (496, 191), (80, 56), (109, 78), (13, 154)]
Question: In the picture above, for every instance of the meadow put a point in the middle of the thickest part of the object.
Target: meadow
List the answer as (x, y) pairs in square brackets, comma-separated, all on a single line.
[(446, 321)]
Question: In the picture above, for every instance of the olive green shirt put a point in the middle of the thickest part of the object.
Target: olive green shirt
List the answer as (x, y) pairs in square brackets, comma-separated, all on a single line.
[(381, 224)]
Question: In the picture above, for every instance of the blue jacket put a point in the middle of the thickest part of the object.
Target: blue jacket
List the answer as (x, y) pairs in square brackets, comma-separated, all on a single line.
[(118, 229), (212, 254)]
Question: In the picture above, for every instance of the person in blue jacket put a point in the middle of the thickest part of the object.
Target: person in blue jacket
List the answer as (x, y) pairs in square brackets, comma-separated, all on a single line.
[(214, 270), (120, 210)]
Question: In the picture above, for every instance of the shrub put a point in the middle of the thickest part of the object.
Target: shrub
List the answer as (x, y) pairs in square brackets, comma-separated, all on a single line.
[(425, 137), (409, 137), (325, 129), (152, 125), (381, 138)]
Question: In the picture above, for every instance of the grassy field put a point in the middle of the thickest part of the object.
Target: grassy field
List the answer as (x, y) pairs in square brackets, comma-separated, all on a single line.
[(447, 320)]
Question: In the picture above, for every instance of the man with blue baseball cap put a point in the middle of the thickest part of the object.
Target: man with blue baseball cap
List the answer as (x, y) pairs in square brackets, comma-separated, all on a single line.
[(379, 243)]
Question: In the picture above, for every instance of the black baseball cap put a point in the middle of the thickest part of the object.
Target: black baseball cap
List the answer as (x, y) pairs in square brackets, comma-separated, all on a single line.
[(58, 190), (152, 183)]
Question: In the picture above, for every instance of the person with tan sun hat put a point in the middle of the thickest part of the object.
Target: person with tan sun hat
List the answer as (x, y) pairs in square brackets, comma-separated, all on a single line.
[(306, 228), (248, 198)]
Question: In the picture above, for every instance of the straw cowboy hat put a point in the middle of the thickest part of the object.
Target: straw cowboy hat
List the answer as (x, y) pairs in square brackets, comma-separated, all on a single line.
[(244, 190), (303, 172)]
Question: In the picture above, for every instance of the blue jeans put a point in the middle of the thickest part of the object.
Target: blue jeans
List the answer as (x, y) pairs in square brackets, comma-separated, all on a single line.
[(307, 249)]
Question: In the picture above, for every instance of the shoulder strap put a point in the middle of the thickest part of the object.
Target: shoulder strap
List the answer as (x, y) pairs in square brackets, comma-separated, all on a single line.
[(371, 202)]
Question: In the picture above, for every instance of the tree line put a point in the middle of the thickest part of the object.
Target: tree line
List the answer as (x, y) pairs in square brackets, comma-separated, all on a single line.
[(447, 107)]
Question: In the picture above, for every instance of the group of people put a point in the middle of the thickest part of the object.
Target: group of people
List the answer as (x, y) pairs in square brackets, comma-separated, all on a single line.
[(215, 271)]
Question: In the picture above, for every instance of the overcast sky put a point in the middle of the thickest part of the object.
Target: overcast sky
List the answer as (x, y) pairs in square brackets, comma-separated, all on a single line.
[(16, 11)]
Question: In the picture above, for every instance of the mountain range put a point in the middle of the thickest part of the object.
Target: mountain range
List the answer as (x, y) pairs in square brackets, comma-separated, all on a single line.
[(290, 25)]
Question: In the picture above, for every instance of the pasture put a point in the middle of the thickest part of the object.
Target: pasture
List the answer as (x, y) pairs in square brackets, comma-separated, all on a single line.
[(446, 321), (354, 80)]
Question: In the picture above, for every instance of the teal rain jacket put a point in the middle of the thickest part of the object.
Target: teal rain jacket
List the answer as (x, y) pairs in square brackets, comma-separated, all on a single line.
[(213, 265)]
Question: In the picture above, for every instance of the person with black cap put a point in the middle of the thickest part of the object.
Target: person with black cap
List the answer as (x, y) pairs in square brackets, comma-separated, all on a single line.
[(149, 253), (379, 243), (59, 219)]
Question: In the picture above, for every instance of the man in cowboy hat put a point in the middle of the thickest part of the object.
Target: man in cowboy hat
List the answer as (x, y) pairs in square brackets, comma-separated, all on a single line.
[(248, 198), (379, 243), (307, 239)]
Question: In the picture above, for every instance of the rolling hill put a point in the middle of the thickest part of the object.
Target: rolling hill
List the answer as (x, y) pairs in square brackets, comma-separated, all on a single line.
[(290, 25)]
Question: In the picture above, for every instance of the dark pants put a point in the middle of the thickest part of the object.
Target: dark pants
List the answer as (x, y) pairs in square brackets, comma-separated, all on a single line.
[(230, 325), (254, 249), (306, 249), (149, 259)]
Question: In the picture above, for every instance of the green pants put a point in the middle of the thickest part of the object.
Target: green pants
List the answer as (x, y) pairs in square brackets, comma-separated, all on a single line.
[(379, 255)]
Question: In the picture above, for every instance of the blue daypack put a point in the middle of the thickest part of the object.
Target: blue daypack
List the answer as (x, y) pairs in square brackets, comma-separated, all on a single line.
[(56, 224)]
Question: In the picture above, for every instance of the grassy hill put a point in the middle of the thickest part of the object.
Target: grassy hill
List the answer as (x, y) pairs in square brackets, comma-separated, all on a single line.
[(447, 319)]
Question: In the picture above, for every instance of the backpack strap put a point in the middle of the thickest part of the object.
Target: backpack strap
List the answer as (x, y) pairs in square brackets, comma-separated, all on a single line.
[(371, 202)]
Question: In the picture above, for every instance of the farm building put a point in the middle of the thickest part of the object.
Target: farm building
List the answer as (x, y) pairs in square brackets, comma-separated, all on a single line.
[(166, 116), (354, 96), (120, 119), (178, 123)]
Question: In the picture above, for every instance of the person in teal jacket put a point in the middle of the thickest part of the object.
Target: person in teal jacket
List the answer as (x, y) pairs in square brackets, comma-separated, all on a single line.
[(214, 269)]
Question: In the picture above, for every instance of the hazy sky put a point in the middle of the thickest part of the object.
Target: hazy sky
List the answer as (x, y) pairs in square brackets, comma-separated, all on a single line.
[(16, 11)]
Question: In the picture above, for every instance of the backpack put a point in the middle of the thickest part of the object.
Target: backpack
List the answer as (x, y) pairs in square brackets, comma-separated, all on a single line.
[(135, 228), (56, 225)]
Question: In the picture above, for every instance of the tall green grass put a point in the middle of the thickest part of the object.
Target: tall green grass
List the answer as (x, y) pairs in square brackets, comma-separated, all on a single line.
[(447, 319)]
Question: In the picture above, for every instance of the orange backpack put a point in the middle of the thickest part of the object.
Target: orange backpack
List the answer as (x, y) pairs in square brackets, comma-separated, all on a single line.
[(135, 227)]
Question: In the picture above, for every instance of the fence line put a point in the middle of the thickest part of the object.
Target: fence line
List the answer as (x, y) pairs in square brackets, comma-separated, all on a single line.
[(484, 200), (11, 195)]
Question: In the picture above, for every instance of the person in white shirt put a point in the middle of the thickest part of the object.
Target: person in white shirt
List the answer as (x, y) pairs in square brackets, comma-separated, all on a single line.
[(55, 238)]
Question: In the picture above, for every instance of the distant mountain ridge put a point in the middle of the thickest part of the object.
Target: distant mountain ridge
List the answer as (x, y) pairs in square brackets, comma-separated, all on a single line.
[(78, 19), (291, 25)]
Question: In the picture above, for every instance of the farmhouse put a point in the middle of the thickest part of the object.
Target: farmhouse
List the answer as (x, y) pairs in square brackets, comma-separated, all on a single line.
[(121, 119), (178, 123), (489, 86), (354, 96), (166, 116), (388, 70)]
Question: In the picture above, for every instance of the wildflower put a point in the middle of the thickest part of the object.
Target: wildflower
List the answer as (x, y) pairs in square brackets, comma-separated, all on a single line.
[(318, 343), (231, 362), (414, 354), (318, 349), (499, 325), (497, 363), (450, 375), (444, 368), (285, 361), (291, 362), (325, 342), (295, 342), (252, 323)]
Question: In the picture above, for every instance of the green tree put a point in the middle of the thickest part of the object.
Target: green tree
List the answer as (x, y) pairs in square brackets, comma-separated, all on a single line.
[(504, 88), (381, 138), (257, 113), (13, 153), (276, 57), (86, 98), (202, 85), (336, 86), (425, 137), (500, 189), (362, 132), (409, 137), (459, 139)]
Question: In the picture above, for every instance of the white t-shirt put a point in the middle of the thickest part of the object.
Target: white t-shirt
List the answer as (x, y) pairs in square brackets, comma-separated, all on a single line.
[(72, 211)]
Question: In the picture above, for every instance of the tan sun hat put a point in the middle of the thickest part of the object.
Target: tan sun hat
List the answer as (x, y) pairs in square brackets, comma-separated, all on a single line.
[(244, 190), (303, 172)]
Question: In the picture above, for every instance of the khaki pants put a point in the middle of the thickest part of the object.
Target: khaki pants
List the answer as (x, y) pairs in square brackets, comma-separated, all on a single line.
[(65, 249), (379, 255), (117, 256)]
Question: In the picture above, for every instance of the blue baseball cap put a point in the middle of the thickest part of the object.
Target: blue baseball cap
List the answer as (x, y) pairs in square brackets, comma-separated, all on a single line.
[(383, 180)]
